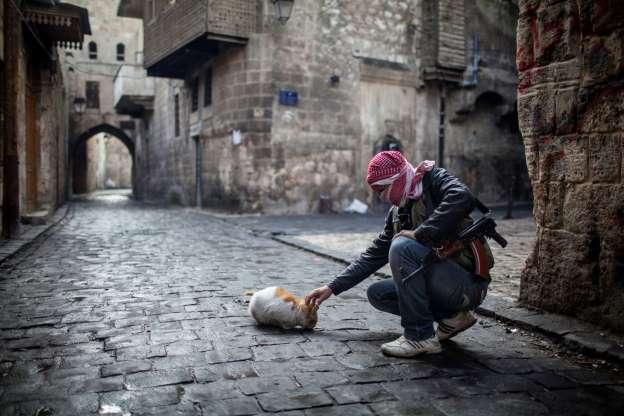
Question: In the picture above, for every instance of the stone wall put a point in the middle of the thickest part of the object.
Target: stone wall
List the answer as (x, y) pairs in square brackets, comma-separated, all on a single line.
[(40, 125), (53, 128), (571, 100), (358, 75)]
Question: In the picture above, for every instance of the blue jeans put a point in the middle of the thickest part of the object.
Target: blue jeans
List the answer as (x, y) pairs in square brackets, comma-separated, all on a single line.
[(441, 291)]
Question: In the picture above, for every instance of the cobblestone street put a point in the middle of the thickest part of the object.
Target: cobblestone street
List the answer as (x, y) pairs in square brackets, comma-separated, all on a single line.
[(130, 309)]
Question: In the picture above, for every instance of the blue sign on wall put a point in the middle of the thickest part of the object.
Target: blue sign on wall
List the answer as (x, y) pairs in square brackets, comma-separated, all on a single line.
[(290, 98)]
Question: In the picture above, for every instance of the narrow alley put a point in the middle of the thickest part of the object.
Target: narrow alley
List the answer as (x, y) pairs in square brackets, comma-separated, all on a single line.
[(130, 309)]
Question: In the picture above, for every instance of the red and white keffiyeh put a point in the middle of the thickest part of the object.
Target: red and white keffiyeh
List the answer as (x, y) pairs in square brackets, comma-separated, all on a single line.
[(395, 178)]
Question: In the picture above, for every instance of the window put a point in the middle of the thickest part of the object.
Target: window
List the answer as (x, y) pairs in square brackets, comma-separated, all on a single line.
[(208, 88), (176, 114), (92, 50), (194, 86), (93, 94), (121, 52)]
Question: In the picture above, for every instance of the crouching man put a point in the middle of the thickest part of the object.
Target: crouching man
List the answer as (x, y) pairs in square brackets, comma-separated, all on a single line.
[(430, 207)]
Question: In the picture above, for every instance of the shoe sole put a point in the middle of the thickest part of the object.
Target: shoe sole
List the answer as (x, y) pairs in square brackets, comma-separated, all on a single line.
[(443, 337), (411, 356)]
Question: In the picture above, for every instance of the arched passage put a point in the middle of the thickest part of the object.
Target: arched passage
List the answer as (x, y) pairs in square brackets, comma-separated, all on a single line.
[(77, 155)]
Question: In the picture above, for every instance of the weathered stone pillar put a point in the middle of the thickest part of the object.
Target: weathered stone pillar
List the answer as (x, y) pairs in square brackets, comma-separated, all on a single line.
[(570, 59)]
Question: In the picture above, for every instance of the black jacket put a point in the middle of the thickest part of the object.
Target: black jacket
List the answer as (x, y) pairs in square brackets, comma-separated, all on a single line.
[(447, 202)]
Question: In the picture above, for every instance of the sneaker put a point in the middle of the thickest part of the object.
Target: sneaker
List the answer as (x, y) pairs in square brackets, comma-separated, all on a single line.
[(405, 348), (448, 328)]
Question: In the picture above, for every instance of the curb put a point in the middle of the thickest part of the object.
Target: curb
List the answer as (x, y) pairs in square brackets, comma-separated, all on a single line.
[(10, 248), (572, 333)]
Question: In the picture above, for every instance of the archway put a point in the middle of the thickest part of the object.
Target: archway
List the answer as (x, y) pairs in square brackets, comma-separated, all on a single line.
[(108, 139)]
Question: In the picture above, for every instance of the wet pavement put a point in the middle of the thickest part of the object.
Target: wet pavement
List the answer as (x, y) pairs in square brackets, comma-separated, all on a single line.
[(130, 309)]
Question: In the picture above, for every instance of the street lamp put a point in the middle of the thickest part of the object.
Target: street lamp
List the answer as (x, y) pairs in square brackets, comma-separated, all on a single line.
[(79, 105), (283, 9)]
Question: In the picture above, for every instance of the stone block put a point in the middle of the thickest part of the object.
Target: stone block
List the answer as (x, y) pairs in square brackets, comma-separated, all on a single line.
[(531, 152), (557, 33), (411, 391), (258, 385), (318, 348), (549, 203), (217, 390), (607, 207), (359, 393), (566, 110), (504, 404), (567, 71), (551, 166), (601, 109), (350, 409), (603, 58), (528, 6), (230, 407), (592, 377), (277, 401), (563, 283), (536, 77), (321, 379), (536, 113), (126, 367), (576, 159), (605, 156), (139, 381), (578, 215), (601, 16), (373, 375)]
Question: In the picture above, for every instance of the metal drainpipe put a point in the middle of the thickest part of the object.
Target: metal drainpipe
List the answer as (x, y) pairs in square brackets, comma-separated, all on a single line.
[(441, 130)]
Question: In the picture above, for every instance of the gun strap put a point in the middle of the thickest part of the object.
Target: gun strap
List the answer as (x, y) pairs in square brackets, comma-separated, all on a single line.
[(480, 259)]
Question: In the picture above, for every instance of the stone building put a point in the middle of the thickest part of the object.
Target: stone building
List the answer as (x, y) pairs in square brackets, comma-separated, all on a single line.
[(571, 102), (101, 77), (261, 116), (34, 107)]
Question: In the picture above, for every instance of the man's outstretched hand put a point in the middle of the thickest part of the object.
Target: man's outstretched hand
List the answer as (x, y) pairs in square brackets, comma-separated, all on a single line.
[(318, 296)]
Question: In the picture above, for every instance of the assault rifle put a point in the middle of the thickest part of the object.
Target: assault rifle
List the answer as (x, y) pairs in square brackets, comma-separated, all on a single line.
[(484, 227)]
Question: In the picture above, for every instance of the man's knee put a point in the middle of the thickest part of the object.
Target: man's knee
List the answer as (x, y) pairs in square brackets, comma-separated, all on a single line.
[(398, 249), (373, 294), (403, 247)]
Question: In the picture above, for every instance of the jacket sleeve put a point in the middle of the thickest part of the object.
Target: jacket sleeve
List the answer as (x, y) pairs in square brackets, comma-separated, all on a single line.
[(371, 260), (453, 202)]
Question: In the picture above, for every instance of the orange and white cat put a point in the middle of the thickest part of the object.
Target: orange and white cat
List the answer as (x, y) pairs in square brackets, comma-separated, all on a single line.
[(278, 307)]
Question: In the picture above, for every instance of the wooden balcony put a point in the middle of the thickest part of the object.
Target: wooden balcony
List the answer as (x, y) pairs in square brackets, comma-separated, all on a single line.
[(59, 24), (183, 33)]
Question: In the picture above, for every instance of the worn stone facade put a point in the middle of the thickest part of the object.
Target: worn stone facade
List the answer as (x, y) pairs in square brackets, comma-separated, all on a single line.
[(358, 73), (100, 65), (571, 101), (34, 124)]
